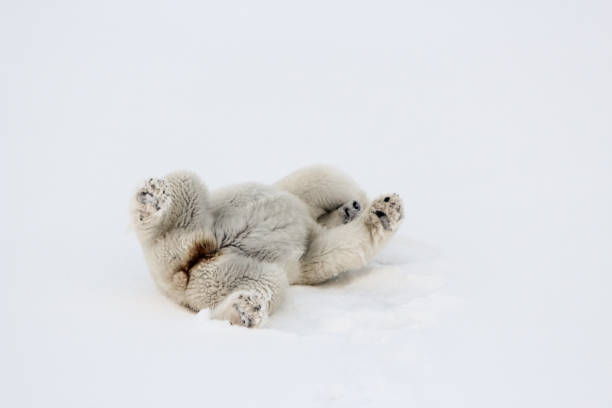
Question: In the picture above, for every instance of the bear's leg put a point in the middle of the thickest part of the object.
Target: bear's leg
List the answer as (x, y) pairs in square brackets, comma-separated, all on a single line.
[(239, 289), (152, 201), (327, 191), (351, 246), (177, 201)]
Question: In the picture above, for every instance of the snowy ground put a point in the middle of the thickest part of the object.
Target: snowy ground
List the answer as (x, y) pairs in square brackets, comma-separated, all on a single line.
[(492, 121)]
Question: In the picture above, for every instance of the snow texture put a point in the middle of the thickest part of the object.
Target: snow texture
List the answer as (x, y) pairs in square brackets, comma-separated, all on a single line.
[(491, 119)]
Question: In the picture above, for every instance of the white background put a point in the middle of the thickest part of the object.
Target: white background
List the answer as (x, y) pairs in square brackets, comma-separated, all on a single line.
[(491, 119)]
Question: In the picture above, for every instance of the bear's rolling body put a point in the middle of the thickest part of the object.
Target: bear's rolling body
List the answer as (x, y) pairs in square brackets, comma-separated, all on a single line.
[(234, 250)]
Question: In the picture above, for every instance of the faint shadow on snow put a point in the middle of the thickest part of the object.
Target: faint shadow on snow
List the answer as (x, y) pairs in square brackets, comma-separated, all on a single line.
[(400, 289)]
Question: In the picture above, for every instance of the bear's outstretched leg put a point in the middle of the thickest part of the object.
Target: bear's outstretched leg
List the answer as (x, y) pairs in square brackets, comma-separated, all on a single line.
[(352, 245), (237, 288), (152, 201), (180, 200), (326, 191)]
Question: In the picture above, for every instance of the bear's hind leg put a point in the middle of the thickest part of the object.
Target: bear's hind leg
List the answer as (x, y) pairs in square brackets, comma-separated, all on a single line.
[(177, 201), (151, 199), (238, 289)]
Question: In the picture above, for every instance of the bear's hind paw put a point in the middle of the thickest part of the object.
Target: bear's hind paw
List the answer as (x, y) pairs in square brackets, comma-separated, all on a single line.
[(152, 198), (242, 308)]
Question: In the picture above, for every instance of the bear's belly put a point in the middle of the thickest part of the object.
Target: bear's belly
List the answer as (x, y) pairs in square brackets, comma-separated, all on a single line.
[(264, 223)]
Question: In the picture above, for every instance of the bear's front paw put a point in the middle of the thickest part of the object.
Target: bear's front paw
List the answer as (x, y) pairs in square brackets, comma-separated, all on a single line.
[(386, 213), (152, 198), (242, 308)]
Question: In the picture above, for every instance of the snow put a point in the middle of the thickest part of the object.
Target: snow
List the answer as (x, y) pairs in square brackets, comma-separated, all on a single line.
[(491, 120)]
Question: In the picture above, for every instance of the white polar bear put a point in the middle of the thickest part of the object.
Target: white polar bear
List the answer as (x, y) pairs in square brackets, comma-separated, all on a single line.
[(236, 249)]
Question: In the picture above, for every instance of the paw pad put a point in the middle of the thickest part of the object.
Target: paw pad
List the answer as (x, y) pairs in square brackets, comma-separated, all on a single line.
[(248, 310), (151, 197), (387, 212)]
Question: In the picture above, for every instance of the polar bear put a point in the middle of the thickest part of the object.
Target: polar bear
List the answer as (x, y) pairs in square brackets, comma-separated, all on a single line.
[(235, 250)]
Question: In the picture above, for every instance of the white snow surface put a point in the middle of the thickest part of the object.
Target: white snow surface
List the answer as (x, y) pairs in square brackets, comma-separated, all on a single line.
[(491, 119)]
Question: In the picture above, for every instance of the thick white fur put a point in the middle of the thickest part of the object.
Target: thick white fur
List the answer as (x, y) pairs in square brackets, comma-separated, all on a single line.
[(236, 249)]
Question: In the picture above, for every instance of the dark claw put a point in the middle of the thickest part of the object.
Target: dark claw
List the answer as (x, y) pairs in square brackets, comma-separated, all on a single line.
[(356, 205), (142, 197)]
